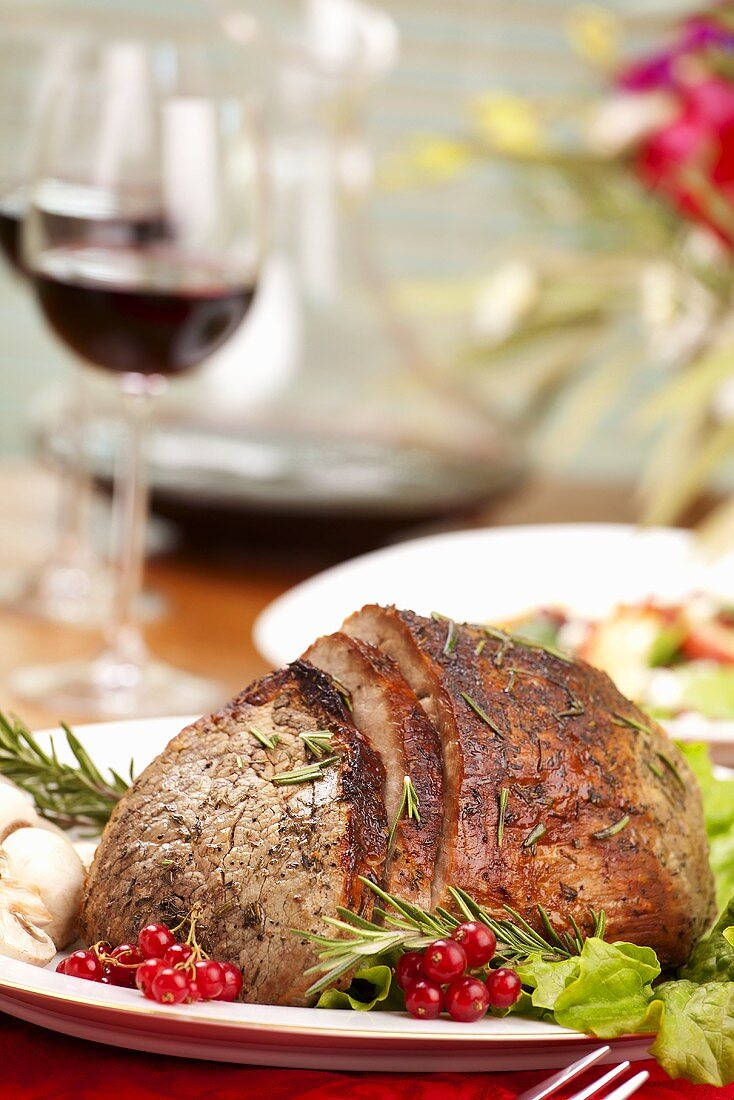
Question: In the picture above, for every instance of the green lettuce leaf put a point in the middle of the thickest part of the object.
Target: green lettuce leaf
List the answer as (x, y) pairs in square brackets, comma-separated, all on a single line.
[(721, 856), (696, 1035), (712, 959), (370, 987), (548, 979), (612, 994), (718, 794), (706, 689)]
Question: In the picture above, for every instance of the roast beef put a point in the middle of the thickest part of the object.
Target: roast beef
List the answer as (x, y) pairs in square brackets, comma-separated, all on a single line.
[(600, 809), (388, 714), (205, 831)]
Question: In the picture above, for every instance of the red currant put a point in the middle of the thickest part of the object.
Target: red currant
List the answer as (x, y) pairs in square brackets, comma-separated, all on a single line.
[(145, 974), (170, 986), (443, 961), (478, 941), (424, 999), (178, 953), (467, 1000), (121, 967), (193, 994), (61, 968), (154, 940), (84, 964), (504, 987), (409, 968), (209, 978), (232, 982)]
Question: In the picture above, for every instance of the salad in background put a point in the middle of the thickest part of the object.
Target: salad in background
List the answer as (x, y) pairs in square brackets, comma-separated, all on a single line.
[(674, 660), (671, 659)]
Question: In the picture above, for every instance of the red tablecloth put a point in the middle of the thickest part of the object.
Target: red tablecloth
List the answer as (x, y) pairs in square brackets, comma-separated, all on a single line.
[(41, 1065)]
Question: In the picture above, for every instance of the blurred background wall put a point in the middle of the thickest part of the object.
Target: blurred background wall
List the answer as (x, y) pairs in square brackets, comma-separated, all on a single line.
[(454, 229)]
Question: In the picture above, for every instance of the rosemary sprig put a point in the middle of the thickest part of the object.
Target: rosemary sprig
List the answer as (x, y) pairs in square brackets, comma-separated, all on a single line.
[(409, 807), (318, 742), (265, 741), (612, 830), (481, 713), (66, 794), (504, 795), (308, 773), (407, 927)]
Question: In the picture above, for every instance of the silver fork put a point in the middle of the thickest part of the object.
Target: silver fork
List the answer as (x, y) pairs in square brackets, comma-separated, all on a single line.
[(558, 1080)]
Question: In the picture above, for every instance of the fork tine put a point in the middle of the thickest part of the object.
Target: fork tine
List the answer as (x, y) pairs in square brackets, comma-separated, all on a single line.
[(602, 1082), (628, 1087), (558, 1080)]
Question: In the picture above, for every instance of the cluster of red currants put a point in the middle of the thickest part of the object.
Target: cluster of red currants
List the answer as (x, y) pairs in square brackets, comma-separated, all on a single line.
[(163, 969), (438, 978)]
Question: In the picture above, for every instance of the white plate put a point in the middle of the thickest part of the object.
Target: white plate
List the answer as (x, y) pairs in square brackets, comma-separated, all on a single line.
[(495, 573), (265, 1034)]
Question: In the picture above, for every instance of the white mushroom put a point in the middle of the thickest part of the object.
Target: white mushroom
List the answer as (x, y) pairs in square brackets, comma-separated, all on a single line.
[(16, 810), (48, 863), (23, 921)]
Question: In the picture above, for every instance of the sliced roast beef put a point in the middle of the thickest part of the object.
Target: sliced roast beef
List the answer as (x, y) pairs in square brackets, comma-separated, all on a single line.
[(204, 830), (565, 795), (388, 714)]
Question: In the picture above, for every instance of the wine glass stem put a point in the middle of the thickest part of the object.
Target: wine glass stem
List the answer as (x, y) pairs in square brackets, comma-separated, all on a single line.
[(72, 549), (130, 513)]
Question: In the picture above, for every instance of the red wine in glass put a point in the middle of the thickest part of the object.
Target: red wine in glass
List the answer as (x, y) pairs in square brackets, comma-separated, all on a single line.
[(137, 310)]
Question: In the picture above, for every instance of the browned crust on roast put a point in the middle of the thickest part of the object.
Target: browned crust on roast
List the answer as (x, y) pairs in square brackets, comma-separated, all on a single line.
[(391, 719), (576, 774), (204, 829)]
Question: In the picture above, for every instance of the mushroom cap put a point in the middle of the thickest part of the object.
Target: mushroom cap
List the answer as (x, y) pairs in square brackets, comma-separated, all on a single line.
[(16, 810), (23, 921), (48, 863)]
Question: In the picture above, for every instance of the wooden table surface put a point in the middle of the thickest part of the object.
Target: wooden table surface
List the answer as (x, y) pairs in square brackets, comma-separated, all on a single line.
[(211, 608)]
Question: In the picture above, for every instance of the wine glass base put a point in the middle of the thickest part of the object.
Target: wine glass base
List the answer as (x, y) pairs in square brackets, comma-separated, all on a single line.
[(70, 595), (108, 688)]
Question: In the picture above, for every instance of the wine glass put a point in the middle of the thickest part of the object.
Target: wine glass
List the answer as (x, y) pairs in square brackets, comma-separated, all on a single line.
[(143, 238), (70, 584)]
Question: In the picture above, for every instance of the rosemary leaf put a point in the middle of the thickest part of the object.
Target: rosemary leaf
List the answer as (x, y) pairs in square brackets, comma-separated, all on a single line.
[(308, 773), (318, 742), (612, 830), (481, 713), (479, 647), (452, 638), (409, 806), (504, 795), (655, 769), (534, 836), (672, 769), (265, 741), (631, 723)]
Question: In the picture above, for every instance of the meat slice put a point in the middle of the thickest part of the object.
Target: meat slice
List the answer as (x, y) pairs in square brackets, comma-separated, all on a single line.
[(600, 809), (204, 830), (388, 714)]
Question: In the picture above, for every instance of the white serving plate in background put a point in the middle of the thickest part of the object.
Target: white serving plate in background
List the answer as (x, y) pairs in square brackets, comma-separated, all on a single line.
[(487, 574)]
